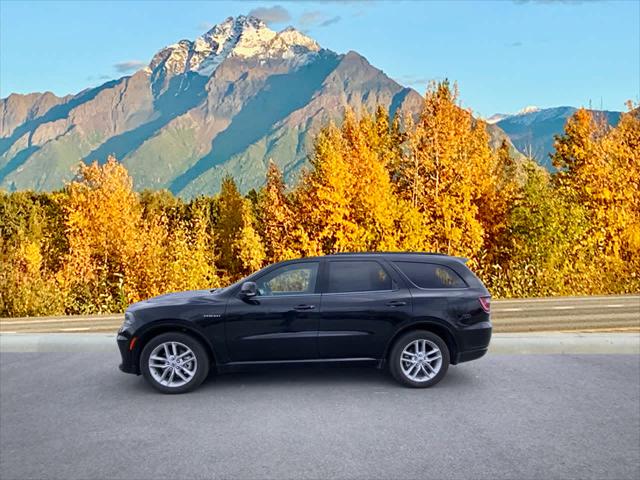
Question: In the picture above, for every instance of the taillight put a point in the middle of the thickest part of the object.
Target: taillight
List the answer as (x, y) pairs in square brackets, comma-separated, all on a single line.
[(485, 303)]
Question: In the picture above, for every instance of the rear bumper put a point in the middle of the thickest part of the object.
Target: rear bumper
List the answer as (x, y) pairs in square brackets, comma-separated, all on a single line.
[(470, 355), (473, 342), (128, 364)]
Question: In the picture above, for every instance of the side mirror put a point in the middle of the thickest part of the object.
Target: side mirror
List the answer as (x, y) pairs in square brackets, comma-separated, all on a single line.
[(249, 289)]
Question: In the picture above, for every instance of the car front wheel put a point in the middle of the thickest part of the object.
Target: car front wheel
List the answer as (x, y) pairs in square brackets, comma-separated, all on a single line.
[(174, 363), (419, 359)]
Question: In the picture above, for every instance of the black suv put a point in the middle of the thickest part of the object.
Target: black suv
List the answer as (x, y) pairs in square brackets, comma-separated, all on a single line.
[(416, 312)]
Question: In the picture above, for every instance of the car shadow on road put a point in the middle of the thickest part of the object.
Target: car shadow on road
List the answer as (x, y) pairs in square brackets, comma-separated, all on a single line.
[(109, 381), (313, 377), (323, 377), (303, 376)]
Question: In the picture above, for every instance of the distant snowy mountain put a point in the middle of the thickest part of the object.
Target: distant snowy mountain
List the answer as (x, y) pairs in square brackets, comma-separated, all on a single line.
[(224, 103), (532, 129), (497, 117)]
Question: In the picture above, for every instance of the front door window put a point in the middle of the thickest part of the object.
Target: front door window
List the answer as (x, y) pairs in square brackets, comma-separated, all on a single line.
[(294, 279)]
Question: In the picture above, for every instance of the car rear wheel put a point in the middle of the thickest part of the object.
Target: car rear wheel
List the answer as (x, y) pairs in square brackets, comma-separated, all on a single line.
[(419, 359), (174, 362)]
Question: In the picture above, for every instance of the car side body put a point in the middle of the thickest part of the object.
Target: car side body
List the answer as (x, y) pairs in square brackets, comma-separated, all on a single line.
[(336, 308)]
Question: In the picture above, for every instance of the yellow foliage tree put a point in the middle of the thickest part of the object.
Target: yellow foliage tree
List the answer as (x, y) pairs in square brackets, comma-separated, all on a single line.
[(374, 184), (117, 256), (190, 258), (283, 235), (622, 145), (240, 246), (446, 173), (102, 222), (599, 168), (27, 287), (347, 201)]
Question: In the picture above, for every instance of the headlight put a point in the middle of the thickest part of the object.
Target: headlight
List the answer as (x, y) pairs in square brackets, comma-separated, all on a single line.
[(128, 322)]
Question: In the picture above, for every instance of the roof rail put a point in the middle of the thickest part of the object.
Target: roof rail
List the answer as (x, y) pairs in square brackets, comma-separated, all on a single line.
[(391, 253)]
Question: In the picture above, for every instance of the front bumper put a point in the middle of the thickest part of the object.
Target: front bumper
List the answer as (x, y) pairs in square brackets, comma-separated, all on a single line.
[(128, 364), (473, 342)]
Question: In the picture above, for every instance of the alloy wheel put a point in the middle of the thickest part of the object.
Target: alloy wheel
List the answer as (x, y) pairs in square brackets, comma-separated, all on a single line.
[(421, 360), (172, 364)]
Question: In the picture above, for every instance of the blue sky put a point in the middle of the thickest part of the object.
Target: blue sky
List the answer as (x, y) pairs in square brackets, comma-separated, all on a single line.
[(504, 54)]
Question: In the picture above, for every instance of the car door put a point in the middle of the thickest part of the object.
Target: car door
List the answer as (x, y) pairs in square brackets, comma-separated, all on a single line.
[(362, 302), (281, 322)]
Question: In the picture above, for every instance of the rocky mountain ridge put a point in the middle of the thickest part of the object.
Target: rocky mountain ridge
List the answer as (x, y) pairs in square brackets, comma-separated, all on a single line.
[(224, 103)]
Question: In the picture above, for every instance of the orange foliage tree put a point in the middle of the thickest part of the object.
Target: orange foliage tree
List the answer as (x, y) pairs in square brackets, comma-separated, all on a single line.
[(426, 183)]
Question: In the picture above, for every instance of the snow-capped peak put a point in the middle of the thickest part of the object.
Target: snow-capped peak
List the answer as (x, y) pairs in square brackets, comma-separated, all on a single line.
[(497, 117), (242, 36), (528, 109)]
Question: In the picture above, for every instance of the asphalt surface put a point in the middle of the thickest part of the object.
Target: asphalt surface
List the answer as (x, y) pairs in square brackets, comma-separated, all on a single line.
[(547, 343), (74, 416), (584, 314)]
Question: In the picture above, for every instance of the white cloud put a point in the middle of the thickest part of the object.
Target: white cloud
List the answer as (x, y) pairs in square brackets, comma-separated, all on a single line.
[(275, 14), (129, 66), (413, 80), (316, 18)]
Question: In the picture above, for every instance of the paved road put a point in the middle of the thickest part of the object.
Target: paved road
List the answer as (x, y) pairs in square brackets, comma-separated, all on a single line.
[(608, 313), (547, 343), (75, 416)]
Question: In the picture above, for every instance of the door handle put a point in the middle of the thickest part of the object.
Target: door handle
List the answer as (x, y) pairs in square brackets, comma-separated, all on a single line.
[(396, 303), (304, 307)]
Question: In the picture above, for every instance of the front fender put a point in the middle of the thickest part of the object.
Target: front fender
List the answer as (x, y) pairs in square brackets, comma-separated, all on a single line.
[(151, 329)]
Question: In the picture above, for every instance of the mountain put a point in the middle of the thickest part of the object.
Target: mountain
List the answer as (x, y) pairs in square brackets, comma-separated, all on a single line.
[(224, 103), (532, 130), (496, 117)]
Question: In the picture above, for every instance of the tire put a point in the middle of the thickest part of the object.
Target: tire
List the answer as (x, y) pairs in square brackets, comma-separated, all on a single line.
[(415, 343), (193, 359)]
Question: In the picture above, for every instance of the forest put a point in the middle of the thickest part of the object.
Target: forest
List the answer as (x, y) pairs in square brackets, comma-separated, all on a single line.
[(374, 183)]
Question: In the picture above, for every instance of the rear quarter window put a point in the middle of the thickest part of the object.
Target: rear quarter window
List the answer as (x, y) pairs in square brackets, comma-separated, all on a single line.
[(431, 275)]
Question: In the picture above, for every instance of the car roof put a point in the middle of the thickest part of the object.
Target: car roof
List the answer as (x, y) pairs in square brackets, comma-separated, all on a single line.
[(417, 256)]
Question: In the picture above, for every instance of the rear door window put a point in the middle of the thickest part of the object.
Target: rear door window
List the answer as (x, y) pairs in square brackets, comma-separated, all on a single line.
[(431, 275), (358, 276)]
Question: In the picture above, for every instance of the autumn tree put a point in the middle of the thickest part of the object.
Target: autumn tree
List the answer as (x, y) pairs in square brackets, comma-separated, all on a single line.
[(622, 147), (543, 249), (280, 227), (240, 247), (347, 202), (102, 220), (31, 244), (495, 204), (190, 256), (375, 183), (120, 252), (599, 168), (445, 172)]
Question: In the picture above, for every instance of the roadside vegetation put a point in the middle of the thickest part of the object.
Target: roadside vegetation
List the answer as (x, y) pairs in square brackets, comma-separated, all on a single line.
[(375, 183)]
